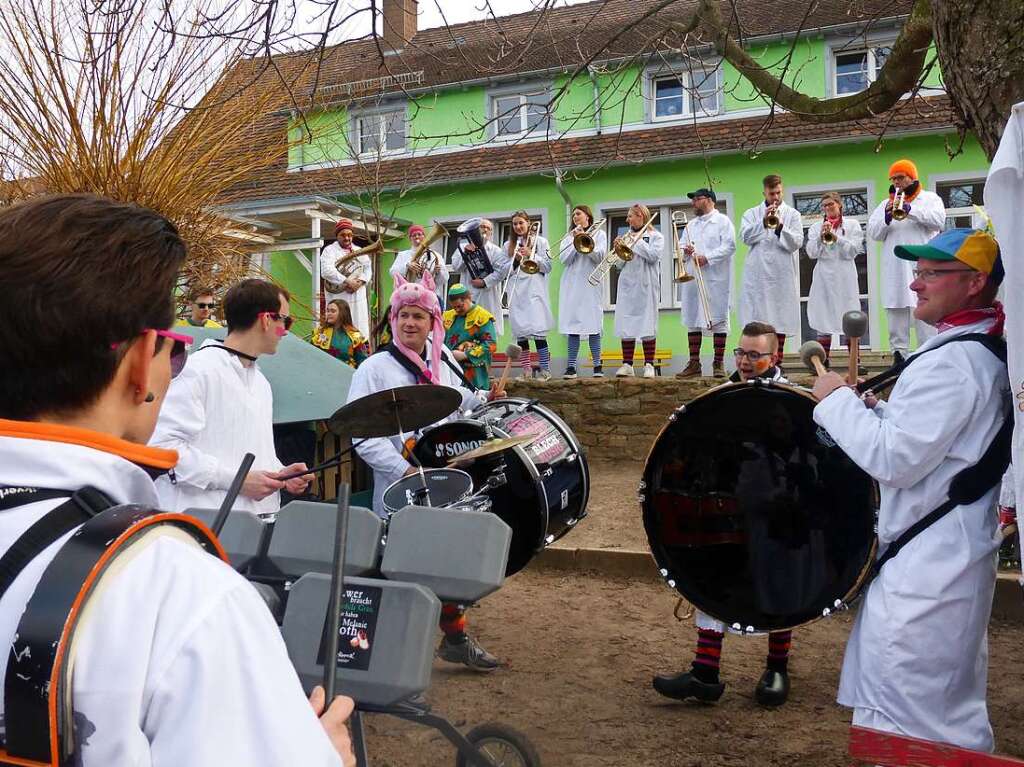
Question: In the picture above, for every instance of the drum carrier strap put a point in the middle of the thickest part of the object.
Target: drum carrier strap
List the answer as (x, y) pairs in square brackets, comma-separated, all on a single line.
[(37, 729), (970, 483), (406, 363)]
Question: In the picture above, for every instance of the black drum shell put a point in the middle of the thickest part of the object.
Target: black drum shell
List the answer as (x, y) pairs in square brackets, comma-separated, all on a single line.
[(753, 513)]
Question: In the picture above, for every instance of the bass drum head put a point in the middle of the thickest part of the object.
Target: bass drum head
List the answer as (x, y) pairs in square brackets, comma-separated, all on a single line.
[(753, 513), (519, 502), (555, 452), (446, 487)]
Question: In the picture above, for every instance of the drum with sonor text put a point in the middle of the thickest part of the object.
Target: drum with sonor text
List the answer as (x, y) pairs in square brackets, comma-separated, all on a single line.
[(753, 513)]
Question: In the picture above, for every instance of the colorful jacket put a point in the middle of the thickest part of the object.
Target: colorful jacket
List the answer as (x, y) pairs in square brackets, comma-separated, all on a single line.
[(473, 334), (349, 347)]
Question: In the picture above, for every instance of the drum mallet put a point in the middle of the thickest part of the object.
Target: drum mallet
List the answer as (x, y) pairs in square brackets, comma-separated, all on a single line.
[(812, 354), (512, 352), (855, 325)]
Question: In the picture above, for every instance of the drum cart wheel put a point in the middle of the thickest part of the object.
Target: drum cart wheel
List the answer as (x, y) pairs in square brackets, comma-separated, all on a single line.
[(486, 745)]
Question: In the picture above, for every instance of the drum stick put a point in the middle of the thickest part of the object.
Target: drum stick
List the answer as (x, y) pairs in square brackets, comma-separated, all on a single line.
[(232, 494), (812, 355), (333, 624), (855, 324), (512, 352), (325, 465)]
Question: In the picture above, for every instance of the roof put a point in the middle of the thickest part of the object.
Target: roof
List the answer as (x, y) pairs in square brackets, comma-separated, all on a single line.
[(924, 115)]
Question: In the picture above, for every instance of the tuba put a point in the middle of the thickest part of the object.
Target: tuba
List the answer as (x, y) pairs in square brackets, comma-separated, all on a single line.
[(423, 256), (898, 200), (373, 249)]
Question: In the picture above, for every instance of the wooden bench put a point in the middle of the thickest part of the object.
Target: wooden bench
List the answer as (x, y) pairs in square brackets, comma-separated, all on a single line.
[(614, 359)]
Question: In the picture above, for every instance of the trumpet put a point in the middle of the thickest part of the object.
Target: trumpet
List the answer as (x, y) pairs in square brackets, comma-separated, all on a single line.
[(771, 218), (529, 263), (898, 200), (698, 270), (423, 251), (584, 241), (828, 236), (620, 252)]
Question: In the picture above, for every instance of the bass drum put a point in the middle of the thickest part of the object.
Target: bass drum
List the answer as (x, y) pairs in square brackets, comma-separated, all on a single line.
[(546, 483), (753, 513)]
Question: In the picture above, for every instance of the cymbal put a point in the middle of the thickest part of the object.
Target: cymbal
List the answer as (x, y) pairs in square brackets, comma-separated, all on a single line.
[(493, 446), (388, 412)]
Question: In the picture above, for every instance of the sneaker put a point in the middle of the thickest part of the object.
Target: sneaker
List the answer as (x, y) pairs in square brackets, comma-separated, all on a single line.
[(649, 370), (692, 370), (772, 689), (718, 369), (686, 685), (626, 371), (468, 653), (570, 373), (543, 375), (598, 372)]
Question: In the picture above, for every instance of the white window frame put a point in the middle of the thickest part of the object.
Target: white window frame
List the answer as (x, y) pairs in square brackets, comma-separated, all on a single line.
[(959, 178), (523, 91), (684, 74), (664, 205), (872, 249), (850, 46), (379, 112)]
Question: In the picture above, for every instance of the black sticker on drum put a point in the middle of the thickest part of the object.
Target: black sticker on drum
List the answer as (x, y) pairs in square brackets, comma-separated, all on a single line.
[(357, 630), (453, 449)]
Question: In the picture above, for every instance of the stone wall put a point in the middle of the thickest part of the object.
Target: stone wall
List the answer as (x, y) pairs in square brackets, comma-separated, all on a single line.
[(614, 418)]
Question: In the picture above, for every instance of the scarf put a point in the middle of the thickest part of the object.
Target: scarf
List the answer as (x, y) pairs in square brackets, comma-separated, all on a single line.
[(971, 316)]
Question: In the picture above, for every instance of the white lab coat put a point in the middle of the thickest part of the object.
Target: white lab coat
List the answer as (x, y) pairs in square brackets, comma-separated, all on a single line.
[(926, 219), (440, 279), (382, 371), (1004, 201), (771, 274), (215, 412), (918, 652), (714, 237), (183, 663), (834, 289), (636, 302), (488, 297), (580, 304), (361, 268), (529, 306)]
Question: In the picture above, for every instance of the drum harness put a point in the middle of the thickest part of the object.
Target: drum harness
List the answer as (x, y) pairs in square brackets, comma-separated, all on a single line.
[(37, 730), (406, 363), (970, 483)]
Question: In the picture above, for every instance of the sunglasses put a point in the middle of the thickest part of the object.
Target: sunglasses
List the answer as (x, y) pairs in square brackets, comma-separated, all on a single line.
[(206, 306), (178, 348), (278, 317)]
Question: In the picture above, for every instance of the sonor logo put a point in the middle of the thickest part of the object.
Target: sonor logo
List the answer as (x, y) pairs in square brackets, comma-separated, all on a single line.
[(452, 449)]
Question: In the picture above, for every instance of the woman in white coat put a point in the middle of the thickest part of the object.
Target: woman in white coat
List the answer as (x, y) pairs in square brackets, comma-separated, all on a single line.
[(529, 307), (834, 289), (636, 302), (580, 304)]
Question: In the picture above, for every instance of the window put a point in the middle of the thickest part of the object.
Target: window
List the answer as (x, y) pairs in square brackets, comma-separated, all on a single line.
[(518, 113), (381, 132), (856, 70), (685, 94), (960, 197), (855, 205)]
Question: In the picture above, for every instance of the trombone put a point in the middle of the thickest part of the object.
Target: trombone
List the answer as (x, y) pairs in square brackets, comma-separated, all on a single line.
[(679, 220), (583, 241), (528, 265), (898, 201), (621, 252)]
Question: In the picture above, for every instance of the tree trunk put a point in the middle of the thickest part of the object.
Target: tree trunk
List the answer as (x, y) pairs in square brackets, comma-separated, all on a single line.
[(980, 45)]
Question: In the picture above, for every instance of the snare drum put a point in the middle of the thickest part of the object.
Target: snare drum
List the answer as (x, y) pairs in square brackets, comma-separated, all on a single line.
[(436, 487), (752, 511), (545, 485)]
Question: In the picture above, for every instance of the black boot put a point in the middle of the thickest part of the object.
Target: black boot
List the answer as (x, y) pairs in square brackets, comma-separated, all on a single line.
[(686, 685), (773, 688)]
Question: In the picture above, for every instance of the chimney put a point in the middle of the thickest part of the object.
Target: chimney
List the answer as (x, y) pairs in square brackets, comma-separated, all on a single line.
[(399, 22)]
